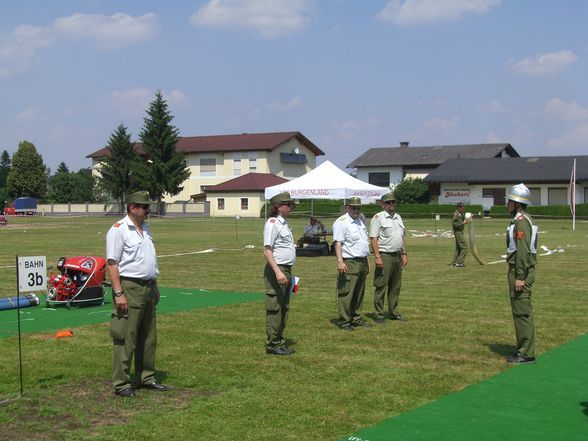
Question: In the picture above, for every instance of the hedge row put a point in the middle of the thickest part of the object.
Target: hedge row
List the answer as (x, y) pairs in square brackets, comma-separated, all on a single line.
[(332, 208)]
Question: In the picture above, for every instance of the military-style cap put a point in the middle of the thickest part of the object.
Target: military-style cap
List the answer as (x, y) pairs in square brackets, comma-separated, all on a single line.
[(281, 197), (354, 201), (388, 197), (139, 197)]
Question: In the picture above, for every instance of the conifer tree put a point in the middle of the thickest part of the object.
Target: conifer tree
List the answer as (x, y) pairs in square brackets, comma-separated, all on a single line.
[(166, 168), (119, 168)]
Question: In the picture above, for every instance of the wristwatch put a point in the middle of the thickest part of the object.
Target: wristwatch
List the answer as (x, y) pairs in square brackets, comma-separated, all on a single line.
[(118, 293)]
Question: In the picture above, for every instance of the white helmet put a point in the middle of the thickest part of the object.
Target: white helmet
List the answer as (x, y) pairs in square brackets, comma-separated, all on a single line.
[(520, 193)]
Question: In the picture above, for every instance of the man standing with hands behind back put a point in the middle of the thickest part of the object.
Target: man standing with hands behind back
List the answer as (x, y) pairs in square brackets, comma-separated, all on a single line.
[(352, 248), (132, 267), (387, 238)]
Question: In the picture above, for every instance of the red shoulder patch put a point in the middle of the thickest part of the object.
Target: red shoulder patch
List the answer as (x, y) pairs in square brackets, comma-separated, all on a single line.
[(273, 220), (118, 224), (520, 235)]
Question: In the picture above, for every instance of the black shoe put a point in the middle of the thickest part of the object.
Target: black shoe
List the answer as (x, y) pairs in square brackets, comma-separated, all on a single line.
[(362, 325), (280, 351), (380, 320), (520, 359), (125, 393), (396, 316), (346, 327), (155, 386)]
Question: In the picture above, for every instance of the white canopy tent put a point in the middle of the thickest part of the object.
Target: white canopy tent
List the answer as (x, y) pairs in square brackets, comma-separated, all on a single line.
[(327, 181)]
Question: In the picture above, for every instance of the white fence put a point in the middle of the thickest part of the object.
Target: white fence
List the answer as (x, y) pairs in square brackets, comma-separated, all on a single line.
[(176, 209)]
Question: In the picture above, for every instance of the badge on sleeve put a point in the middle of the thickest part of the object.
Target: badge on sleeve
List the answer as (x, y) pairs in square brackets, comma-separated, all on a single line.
[(520, 235)]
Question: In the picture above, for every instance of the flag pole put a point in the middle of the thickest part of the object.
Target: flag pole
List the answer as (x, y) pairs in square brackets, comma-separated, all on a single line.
[(573, 195)]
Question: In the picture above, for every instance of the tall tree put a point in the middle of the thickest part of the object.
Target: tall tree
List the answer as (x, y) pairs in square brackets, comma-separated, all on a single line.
[(119, 168), (166, 168), (72, 187), (27, 175), (412, 191), (62, 168), (4, 168)]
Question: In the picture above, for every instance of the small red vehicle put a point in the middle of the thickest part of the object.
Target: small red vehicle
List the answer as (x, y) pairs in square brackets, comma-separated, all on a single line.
[(80, 281)]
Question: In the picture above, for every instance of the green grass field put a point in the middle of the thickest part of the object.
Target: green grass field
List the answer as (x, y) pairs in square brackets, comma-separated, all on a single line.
[(458, 332)]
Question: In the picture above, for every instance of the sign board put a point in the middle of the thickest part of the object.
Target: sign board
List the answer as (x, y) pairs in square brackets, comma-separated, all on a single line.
[(32, 273), (454, 195)]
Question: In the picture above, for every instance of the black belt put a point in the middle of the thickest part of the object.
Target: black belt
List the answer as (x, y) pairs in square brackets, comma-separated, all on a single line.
[(355, 258), (142, 282), (391, 252), (287, 266)]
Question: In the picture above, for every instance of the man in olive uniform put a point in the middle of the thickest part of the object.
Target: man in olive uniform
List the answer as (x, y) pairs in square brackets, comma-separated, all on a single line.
[(132, 267), (352, 249), (521, 257), (387, 238), (461, 248), (280, 254)]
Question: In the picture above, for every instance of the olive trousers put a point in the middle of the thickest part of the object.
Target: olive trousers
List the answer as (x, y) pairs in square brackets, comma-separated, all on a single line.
[(277, 304), (461, 248), (350, 291), (134, 334), (522, 312), (387, 283)]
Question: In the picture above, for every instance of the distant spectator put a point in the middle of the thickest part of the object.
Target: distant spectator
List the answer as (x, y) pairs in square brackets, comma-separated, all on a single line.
[(461, 248)]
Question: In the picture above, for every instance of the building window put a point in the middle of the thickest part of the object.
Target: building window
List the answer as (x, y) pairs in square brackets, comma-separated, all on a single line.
[(497, 195), (380, 179), (535, 196), (557, 196), (244, 203), (237, 165), (220, 203), (252, 162), (207, 167), (293, 158)]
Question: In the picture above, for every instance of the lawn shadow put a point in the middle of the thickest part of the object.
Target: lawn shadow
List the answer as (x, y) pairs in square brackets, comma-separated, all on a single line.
[(584, 404), (501, 349)]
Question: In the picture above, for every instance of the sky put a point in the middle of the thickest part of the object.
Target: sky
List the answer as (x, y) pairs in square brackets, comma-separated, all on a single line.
[(348, 74)]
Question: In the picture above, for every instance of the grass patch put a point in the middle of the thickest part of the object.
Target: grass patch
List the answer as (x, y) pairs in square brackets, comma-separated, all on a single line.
[(226, 388)]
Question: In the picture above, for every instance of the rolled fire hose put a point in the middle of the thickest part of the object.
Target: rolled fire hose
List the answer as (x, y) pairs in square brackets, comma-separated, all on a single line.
[(472, 234), (16, 302)]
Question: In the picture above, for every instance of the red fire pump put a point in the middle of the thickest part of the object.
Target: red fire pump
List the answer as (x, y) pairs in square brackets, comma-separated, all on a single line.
[(80, 281)]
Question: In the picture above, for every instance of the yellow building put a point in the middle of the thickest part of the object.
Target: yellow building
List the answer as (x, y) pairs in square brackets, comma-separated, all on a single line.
[(213, 160)]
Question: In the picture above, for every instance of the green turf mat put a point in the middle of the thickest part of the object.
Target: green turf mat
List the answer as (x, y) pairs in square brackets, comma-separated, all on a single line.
[(42, 319), (546, 401)]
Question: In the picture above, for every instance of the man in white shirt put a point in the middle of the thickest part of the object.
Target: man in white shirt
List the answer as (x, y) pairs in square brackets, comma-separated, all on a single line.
[(132, 267), (280, 254), (387, 238), (352, 249)]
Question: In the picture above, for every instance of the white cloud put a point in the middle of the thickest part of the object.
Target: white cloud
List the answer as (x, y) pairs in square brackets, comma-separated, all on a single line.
[(289, 105), (413, 12), (493, 106), (271, 18), (566, 111), (574, 139), (438, 123), (111, 31), (25, 115), (174, 97), (136, 101), (132, 101), (544, 64), (19, 48)]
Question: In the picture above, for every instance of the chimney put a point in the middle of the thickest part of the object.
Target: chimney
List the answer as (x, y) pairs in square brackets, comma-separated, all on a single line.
[(403, 144)]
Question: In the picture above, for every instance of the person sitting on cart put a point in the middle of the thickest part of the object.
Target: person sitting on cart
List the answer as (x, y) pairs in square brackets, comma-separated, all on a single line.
[(312, 230)]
